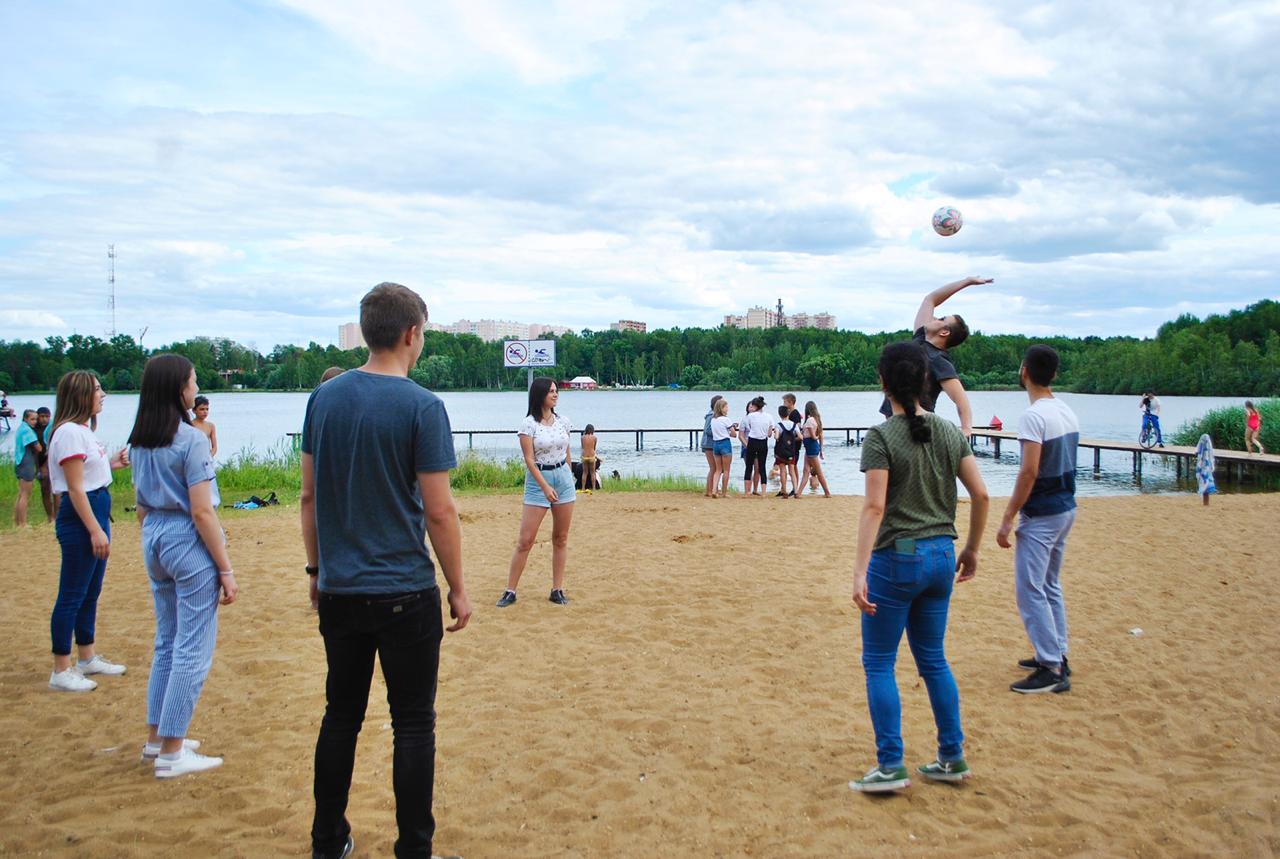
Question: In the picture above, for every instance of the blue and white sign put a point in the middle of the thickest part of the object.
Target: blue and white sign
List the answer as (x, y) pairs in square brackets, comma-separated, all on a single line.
[(529, 353)]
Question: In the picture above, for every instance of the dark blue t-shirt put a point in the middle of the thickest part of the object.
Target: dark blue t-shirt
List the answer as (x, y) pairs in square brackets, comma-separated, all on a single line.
[(370, 436)]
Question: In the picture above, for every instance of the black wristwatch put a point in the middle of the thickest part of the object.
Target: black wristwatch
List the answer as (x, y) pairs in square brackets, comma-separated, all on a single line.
[(313, 571)]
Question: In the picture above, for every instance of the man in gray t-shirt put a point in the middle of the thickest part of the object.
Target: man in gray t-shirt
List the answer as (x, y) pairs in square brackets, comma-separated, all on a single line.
[(376, 454)]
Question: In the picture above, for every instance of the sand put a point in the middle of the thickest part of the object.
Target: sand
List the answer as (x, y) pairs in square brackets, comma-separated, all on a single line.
[(702, 696)]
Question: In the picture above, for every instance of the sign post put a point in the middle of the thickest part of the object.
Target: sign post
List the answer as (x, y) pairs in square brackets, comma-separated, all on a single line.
[(529, 354)]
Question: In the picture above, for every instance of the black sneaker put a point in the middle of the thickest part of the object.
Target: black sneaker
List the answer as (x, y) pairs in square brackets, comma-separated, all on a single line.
[(1032, 664), (507, 598), (1042, 680), (347, 850), (557, 597)]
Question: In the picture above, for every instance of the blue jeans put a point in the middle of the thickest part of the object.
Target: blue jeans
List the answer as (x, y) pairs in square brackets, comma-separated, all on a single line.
[(911, 592), (80, 581), (185, 589), (1154, 421)]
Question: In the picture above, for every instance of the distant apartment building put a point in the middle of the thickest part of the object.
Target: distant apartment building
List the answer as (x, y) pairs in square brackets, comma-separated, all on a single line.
[(538, 329), (501, 329), (350, 336), (629, 325), (765, 317)]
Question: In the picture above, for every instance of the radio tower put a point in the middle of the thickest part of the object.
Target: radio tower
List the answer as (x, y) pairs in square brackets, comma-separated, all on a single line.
[(782, 320), (111, 288)]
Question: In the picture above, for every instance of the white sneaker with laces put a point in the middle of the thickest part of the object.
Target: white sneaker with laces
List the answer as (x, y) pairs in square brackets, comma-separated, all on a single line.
[(185, 762), (151, 751), (70, 680), (98, 665)]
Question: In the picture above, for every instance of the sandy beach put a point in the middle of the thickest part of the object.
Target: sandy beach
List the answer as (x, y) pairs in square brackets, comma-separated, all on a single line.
[(702, 696)]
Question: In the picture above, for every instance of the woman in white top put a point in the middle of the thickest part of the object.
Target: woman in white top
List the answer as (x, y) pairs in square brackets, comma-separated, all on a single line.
[(756, 433), (81, 474), (548, 485), (723, 429)]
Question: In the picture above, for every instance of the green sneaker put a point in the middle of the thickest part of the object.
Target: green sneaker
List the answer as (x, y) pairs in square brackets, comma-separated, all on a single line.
[(882, 781), (945, 771)]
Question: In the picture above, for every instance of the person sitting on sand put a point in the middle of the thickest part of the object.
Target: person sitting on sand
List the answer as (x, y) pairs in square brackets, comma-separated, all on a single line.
[(1045, 495), (1252, 428), (205, 425), (588, 458), (906, 563)]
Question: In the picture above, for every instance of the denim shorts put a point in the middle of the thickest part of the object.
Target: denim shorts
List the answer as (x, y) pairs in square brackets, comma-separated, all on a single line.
[(812, 447), (723, 447), (560, 479)]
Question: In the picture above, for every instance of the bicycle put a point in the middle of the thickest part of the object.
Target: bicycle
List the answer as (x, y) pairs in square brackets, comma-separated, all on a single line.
[(1147, 438)]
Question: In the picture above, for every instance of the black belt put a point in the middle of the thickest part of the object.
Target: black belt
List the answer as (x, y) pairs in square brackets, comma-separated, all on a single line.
[(542, 467)]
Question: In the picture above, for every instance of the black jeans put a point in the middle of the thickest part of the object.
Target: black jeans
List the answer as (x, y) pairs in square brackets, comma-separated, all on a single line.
[(404, 630), (757, 456)]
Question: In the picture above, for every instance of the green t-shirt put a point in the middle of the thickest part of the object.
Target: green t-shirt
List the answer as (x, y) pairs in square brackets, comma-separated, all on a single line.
[(921, 500)]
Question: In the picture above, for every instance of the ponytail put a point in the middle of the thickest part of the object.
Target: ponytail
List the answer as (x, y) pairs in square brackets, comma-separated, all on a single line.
[(904, 370)]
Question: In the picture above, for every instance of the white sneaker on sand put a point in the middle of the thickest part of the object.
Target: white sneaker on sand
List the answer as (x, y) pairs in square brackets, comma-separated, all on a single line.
[(185, 762), (98, 665), (152, 751), (70, 680)]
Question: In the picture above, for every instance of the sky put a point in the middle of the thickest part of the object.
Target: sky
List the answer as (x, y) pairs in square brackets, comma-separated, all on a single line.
[(259, 166)]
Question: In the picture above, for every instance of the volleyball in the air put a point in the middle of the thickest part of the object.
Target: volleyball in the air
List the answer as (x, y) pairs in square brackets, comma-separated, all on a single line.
[(947, 221)]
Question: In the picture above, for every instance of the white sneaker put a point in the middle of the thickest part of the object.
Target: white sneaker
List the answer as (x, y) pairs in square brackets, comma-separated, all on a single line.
[(186, 762), (151, 751), (98, 665), (70, 680)]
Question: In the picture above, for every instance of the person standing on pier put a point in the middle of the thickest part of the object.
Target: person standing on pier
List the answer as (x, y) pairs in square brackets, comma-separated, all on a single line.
[(938, 337), (1045, 495)]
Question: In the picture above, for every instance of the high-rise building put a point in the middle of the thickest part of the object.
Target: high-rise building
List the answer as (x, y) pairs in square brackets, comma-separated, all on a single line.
[(764, 317), (629, 325), (350, 336)]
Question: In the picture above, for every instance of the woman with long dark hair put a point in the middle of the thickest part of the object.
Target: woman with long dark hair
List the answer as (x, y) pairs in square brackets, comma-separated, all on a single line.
[(906, 564), (755, 434), (185, 551), (548, 485), (80, 472)]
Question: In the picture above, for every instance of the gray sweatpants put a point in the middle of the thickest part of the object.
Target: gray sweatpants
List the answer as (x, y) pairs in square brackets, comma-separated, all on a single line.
[(1037, 565)]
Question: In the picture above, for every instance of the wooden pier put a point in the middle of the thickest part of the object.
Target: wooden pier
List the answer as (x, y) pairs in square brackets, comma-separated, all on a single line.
[(1234, 463)]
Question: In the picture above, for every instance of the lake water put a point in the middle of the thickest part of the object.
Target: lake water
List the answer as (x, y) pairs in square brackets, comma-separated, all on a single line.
[(260, 422)]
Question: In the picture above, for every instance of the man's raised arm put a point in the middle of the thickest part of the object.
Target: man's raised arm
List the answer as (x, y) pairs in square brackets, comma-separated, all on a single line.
[(931, 301)]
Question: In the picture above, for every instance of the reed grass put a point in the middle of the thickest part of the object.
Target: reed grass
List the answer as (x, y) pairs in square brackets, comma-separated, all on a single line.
[(1226, 427)]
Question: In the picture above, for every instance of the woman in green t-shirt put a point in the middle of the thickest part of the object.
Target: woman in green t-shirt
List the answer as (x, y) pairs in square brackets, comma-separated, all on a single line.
[(906, 564)]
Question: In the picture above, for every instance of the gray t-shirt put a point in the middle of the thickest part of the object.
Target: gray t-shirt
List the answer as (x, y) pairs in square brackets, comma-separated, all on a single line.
[(921, 500), (163, 476), (941, 368), (370, 437)]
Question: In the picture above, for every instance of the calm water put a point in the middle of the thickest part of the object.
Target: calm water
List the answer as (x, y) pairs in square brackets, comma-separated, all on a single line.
[(259, 422)]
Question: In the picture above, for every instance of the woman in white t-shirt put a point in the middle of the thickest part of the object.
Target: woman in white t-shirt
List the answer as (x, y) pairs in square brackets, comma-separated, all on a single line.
[(723, 430), (548, 485), (755, 431), (81, 474)]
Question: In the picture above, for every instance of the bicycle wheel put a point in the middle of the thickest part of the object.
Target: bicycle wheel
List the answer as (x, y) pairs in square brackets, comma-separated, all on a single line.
[(1147, 439)]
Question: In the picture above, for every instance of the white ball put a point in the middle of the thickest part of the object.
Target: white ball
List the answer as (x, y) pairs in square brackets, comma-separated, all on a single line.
[(947, 221)]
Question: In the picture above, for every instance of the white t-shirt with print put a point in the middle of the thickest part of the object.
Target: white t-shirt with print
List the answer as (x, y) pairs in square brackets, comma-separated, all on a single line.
[(720, 428), (77, 441), (757, 425), (550, 443)]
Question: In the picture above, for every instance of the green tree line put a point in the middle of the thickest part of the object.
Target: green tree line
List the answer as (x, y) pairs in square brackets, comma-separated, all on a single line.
[(1222, 355)]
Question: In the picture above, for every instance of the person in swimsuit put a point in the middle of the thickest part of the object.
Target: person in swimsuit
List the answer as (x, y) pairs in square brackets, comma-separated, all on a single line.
[(588, 458), (1252, 428), (205, 425)]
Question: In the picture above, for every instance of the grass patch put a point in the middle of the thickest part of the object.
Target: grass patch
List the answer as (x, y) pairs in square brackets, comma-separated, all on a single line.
[(278, 470)]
